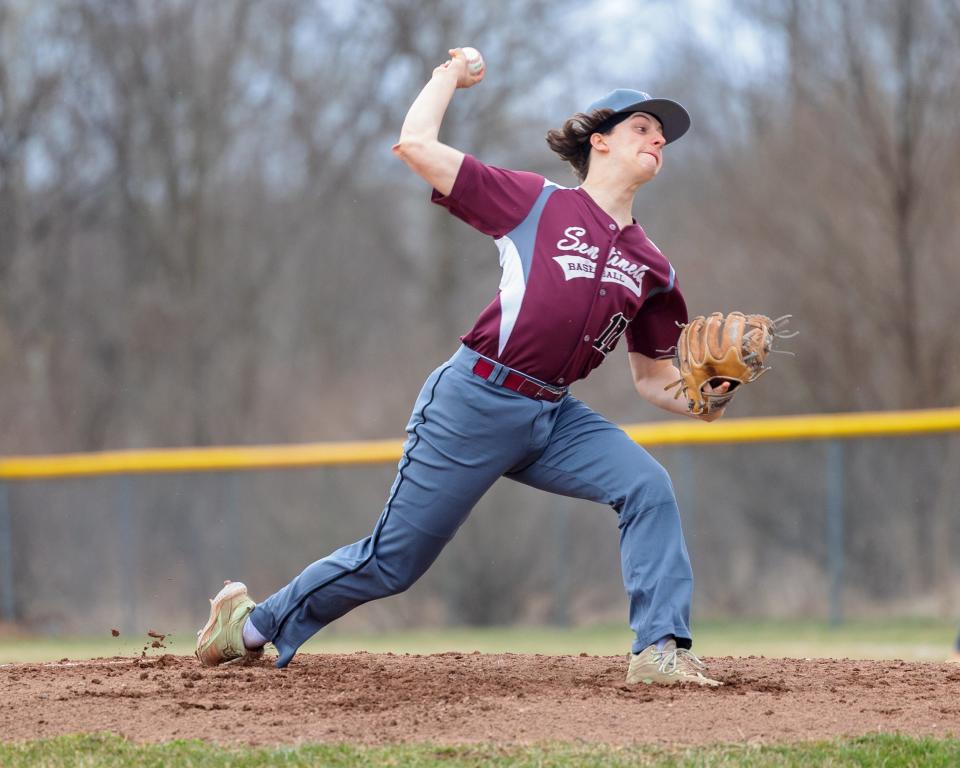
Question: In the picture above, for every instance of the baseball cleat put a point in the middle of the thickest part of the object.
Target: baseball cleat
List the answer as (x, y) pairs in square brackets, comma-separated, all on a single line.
[(221, 639), (668, 666)]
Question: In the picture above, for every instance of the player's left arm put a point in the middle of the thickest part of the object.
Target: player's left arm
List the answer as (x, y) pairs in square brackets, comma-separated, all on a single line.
[(651, 376)]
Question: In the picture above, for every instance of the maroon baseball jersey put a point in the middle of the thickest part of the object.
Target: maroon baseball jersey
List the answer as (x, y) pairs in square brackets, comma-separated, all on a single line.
[(573, 281)]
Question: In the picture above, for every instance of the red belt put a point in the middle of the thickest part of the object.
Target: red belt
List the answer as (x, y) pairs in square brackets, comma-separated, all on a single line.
[(520, 383)]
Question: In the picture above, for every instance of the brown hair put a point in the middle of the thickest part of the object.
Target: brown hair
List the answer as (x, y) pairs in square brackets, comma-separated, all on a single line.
[(572, 141)]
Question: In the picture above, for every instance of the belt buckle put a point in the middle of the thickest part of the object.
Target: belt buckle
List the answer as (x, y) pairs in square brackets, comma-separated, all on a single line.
[(543, 390), (535, 390), (524, 388)]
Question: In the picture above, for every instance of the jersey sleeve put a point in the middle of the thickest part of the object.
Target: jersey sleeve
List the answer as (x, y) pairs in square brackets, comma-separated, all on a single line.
[(654, 331), (490, 199)]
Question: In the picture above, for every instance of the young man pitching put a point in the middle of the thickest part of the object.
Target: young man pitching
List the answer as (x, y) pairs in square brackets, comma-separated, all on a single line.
[(579, 273)]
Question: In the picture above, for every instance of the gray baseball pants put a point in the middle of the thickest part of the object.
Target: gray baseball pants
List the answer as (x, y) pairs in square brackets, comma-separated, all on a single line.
[(464, 433)]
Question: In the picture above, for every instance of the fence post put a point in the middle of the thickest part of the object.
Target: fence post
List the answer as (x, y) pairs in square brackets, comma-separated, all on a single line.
[(230, 523), (128, 554), (561, 576), (684, 480), (835, 532), (8, 604)]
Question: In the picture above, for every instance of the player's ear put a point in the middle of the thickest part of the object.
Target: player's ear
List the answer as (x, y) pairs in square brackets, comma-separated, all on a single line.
[(599, 142)]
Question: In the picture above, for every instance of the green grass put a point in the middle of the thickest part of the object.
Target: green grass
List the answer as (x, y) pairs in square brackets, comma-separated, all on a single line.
[(107, 750), (910, 639)]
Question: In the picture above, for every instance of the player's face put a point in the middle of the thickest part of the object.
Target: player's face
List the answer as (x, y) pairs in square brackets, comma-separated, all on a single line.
[(638, 142)]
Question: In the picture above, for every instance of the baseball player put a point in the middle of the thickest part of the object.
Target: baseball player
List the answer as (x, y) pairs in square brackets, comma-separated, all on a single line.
[(578, 273)]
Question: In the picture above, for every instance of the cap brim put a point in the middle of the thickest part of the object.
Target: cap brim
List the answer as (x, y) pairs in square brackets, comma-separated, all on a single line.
[(672, 116)]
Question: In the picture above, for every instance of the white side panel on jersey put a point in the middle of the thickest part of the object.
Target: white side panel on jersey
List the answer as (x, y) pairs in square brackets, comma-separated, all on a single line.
[(512, 288)]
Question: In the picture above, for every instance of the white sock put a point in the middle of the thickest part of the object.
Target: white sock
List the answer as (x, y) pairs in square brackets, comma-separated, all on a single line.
[(252, 639), (660, 643)]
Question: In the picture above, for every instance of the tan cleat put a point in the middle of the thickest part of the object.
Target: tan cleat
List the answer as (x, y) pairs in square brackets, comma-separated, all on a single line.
[(669, 666), (221, 639), (955, 659)]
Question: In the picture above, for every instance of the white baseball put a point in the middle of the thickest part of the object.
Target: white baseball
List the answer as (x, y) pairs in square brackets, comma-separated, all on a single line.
[(474, 60)]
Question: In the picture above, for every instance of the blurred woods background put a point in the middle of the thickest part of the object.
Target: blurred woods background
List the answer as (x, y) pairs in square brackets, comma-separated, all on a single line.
[(205, 240)]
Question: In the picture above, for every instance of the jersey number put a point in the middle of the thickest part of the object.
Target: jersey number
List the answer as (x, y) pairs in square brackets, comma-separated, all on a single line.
[(608, 338)]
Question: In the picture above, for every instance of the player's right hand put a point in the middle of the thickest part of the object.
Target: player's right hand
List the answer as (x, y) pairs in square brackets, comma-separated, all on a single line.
[(715, 412), (457, 64)]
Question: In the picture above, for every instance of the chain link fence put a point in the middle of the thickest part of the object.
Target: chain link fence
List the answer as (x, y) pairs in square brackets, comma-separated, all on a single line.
[(822, 529)]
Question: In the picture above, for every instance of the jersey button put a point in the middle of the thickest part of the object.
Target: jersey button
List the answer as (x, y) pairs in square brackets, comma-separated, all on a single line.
[(603, 291), (560, 380), (586, 338), (612, 226)]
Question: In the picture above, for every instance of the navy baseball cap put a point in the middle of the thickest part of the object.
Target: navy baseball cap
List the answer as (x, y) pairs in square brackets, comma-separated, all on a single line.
[(672, 116)]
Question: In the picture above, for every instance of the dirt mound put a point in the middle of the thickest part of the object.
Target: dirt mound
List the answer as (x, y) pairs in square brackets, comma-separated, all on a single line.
[(460, 698)]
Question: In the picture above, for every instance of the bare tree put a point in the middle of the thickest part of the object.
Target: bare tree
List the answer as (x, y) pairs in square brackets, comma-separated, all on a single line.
[(204, 238), (852, 235)]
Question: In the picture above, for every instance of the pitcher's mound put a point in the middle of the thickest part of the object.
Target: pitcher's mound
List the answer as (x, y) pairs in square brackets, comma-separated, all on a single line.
[(459, 698)]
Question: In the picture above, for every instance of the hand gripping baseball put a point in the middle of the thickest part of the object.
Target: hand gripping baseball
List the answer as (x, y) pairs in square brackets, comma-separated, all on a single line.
[(722, 348), (468, 65)]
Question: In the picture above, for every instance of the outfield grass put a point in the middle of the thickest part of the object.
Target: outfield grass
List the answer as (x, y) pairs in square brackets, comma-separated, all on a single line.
[(105, 750), (923, 640)]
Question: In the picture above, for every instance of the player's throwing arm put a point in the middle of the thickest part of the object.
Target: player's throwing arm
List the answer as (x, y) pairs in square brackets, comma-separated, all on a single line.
[(419, 146)]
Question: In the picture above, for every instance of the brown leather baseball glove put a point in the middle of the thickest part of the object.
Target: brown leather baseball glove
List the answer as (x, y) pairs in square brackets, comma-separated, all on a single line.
[(723, 348)]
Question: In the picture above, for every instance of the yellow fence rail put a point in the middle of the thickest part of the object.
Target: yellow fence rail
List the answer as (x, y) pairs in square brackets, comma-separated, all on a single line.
[(810, 427)]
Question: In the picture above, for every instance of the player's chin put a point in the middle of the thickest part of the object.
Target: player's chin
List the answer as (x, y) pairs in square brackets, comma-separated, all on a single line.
[(647, 168), (647, 177)]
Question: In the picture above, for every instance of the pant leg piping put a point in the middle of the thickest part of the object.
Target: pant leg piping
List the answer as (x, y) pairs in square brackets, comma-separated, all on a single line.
[(383, 520)]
